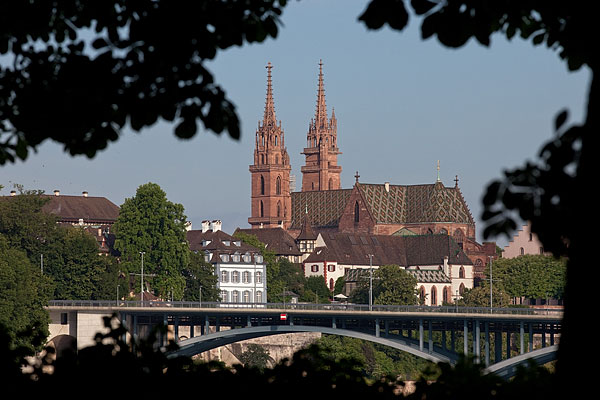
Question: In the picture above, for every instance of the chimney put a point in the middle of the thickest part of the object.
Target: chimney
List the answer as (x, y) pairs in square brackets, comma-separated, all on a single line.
[(84, 194), (387, 187), (216, 225), (57, 192), (13, 192), (205, 226)]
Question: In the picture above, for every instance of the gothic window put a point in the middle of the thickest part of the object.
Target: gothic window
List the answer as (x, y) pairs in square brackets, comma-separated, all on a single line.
[(461, 289), (422, 294), (275, 140), (262, 185), (443, 231), (278, 209), (433, 296), (278, 186), (446, 295), (262, 210), (277, 159), (356, 212), (461, 273), (331, 284), (522, 251), (478, 262)]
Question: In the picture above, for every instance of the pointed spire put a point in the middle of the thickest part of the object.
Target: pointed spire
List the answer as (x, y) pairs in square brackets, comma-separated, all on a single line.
[(269, 117), (321, 112)]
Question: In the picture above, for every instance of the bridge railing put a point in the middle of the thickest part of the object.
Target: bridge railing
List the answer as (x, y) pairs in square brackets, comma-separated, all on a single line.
[(304, 306)]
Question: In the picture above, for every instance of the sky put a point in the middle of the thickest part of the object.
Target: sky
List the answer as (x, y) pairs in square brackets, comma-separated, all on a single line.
[(402, 104)]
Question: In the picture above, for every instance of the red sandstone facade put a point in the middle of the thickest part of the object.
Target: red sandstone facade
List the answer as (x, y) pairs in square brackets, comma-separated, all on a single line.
[(270, 173)]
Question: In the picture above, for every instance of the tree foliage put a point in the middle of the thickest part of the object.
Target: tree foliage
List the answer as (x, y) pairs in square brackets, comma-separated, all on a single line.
[(23, 295), (531, 276), (256, 356), (79, 72), (391, 285), (200, 279), (151, 224)]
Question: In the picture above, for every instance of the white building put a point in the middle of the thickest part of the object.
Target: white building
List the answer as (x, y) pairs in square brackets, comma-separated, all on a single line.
[(442, 269), (240, 268)]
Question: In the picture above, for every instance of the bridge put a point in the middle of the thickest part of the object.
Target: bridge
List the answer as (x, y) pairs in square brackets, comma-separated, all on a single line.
[(501, 338)]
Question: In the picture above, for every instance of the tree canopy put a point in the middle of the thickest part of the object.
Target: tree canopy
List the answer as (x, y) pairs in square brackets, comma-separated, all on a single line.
[(79, 72), (149, 223), (391, 285)]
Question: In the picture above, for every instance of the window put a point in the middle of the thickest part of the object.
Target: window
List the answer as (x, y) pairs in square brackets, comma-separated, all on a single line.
[(278, 209), (433, 296), (235, 277), (224, 296), (331, 268), (236, 258), (258, 258), (278, 185), (262, 209), (246, 296), (422, 294), (259, 296), (446, 295), (247, 258), (246, 277), (258, 278), (225, 257), (235, 296), (224, 276), (262, 185), (64, 318), (522, 251), (331, 284), (356, 212), (461, 272), (461, 289), (314, 268)]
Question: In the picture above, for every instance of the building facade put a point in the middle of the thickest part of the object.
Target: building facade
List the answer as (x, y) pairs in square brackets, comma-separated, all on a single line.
[(524, 242), (443, 271), (240, 268)]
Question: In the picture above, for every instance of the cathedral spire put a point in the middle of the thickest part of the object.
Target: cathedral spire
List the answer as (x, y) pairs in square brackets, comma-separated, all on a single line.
[(321, 112), (269, 117)]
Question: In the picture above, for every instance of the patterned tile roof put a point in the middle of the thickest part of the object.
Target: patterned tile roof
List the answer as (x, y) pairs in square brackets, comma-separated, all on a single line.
[(324, 207), (422, 276), (395, 204)]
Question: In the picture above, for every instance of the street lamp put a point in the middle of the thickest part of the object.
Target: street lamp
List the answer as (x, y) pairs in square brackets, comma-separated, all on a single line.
[(370, 282), (142, 285)]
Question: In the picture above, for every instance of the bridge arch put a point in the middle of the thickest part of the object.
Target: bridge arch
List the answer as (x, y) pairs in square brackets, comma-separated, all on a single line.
[(204, 343)]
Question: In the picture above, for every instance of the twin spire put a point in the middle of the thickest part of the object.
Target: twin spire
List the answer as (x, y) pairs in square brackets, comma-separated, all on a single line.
[(320, 120)]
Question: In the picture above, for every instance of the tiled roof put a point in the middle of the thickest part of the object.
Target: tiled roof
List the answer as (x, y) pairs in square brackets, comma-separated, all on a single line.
[(218, 241), (324, 207), (391, 204), (422, 276), (276, 239), (73, 208), (406, 251)]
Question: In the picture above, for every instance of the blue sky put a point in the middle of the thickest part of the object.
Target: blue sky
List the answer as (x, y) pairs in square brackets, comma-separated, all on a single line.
[(401, 103)]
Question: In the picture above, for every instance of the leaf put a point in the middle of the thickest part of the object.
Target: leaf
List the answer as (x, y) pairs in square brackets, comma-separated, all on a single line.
[(560, 119), (186, 129)]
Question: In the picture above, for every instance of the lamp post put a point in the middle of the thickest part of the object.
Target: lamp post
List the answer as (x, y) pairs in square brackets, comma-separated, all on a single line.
[(142, 285), (370, 282)]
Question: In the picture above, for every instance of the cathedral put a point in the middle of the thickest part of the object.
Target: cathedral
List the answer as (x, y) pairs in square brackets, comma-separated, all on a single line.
[(366, 208)]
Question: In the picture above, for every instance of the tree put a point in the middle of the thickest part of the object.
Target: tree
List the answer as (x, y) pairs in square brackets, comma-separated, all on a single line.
[(151, 224), (391, 285), (200, 279), (480, 297), (316, 290), (531, 276), (139, 76), (256, 356), (24, 295)]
